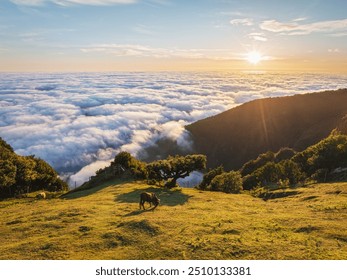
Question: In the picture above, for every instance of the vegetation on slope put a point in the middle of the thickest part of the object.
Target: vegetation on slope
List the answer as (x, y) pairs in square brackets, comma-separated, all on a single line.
[(161, 172), (105, 223), (20, 175), (322, 162), (238, 135)]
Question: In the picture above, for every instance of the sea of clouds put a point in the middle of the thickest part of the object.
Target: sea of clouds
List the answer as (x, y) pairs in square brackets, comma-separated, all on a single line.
[(78, 122)]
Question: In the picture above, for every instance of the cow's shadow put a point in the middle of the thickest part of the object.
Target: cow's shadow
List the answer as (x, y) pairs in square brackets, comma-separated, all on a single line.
[(167, 197)]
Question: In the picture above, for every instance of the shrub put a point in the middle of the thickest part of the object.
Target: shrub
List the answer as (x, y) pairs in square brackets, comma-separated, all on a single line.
[(209, 176), (252, 165), (228, 182), (284, 154), (329, 154), (292, 172), (269, 173), (126, 162), (250, 181)]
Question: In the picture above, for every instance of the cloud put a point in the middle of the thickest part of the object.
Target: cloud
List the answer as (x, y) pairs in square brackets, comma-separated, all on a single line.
[(300, 19), (73, 2), (333, 50), (339, 34), (79, 122), (258, 36), (242, 21), (28, 2), (294, 28), (147, 51), (194, 179)]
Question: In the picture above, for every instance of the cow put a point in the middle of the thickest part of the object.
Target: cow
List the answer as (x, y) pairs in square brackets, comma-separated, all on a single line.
[(41, 195), (150, 198)]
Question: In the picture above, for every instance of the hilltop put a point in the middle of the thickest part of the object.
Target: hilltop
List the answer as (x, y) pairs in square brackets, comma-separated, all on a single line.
[(242, 133), (105, 222)]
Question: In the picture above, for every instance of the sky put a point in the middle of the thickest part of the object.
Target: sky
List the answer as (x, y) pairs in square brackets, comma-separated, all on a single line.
[(173, 35)]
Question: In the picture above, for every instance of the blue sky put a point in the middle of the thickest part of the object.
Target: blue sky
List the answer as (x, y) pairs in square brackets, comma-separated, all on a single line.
[(139, 35)]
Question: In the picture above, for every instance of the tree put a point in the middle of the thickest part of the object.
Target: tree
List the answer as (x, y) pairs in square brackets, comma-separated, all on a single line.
[(252, 165), (46, 177), (269, 173), (7, 176), (228, 182), (250, 181), (292, 171), (284, 153), (24, 174), (175, 167), (208, 177), (327, 154), (126, 161)]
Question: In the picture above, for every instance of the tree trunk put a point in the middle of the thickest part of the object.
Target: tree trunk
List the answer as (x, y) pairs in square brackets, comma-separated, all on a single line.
[(172, 183)]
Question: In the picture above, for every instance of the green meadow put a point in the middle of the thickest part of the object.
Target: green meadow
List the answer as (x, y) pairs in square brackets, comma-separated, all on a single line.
[(105, 222)]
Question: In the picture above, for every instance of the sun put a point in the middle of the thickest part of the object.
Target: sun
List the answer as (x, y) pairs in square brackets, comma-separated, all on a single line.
[(254, 57)]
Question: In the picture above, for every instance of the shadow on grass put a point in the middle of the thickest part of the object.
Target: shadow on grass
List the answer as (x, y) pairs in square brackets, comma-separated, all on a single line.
[(167, 197), (276, 195), (140, 211), (88, 189)]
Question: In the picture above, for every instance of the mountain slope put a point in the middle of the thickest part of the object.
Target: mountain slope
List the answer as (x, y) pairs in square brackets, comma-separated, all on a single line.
[(23, 174), (242, 133), (105, 223)]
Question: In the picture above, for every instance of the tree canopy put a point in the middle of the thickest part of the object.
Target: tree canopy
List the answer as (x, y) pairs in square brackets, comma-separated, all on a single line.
[(175, 167), (23, 174)]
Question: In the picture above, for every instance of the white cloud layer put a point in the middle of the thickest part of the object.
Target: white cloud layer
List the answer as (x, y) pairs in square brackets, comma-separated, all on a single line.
[(79, 122), (296, 28)]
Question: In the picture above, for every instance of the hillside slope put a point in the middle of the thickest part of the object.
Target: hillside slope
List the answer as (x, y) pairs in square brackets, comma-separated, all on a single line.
[(105, 223), (20, 175), (242, 133)]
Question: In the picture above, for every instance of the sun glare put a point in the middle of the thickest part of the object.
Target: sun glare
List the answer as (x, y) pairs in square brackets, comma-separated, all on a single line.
[(254, 57)]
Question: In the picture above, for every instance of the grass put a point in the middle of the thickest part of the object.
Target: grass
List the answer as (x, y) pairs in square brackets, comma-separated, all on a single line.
[(105, 223)]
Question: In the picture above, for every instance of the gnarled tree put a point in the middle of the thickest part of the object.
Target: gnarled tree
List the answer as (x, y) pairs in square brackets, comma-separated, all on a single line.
[(175, 167)]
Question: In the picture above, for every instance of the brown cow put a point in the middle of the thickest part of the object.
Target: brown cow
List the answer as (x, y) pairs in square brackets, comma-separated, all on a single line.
[(150, 198)]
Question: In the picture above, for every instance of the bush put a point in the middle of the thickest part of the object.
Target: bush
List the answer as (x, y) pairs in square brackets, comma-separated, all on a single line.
[(320, 175), (252, 165), (292, 172), (269, 173), (209, 176), (329, 154), (250, 181), (284, 154), (126, 162), (228, 182)]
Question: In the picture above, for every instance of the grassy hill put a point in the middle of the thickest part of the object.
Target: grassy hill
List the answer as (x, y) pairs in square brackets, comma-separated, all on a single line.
[(242, 133), (105, 223)]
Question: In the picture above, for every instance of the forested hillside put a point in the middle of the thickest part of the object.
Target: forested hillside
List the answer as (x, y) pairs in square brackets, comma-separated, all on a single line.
[(20, 175), (238, 135)]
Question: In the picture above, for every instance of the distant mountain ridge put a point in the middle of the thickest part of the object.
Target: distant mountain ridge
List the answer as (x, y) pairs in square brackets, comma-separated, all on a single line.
[(242, 133)]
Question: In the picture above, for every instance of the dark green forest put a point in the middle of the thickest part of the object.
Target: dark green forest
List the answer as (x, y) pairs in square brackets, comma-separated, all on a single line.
[(20, 175)]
